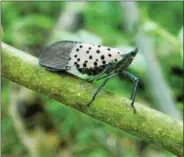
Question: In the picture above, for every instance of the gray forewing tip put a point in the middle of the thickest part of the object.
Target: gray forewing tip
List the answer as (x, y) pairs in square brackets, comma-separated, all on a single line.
[(57, 54)]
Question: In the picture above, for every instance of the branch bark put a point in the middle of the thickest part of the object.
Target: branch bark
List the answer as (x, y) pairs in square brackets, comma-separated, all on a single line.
[(147, 124)]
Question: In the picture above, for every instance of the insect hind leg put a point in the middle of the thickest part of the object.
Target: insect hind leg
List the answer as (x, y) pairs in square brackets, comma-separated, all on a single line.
[(98, 90)]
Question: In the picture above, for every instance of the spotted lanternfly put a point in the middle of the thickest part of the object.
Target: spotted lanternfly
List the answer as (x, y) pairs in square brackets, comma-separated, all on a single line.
[(89, 61)]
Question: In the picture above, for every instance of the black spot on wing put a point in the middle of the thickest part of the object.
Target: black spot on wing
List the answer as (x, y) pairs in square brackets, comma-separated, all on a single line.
[(95, 64), (103, 62), (84, 65), (102, 57), (98, 51), (57, 55)]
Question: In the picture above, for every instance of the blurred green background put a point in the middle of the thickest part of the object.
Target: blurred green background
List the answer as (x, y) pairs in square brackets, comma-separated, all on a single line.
[(30, 26)]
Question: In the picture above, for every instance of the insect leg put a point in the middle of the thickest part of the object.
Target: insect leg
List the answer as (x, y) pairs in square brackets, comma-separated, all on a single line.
[(104, 76), (96, 77), (98, 90), (135, 80), (106, 70)]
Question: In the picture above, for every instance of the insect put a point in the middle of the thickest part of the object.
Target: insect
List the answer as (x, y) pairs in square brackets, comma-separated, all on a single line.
[(92, 62)]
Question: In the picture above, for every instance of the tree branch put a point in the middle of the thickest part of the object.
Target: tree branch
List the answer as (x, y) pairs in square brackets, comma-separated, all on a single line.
[(147, 124)]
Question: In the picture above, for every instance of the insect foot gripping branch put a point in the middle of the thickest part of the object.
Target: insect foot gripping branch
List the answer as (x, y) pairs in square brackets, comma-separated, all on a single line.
[(92, 62)]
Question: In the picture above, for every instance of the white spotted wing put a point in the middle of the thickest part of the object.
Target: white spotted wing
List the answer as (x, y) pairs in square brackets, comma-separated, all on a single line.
[(72, 56), (91, 56)]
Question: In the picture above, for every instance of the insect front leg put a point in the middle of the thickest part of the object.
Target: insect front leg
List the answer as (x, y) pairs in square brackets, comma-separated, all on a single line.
[(98, 90), (135, 80)]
